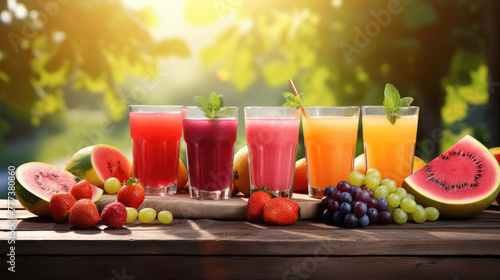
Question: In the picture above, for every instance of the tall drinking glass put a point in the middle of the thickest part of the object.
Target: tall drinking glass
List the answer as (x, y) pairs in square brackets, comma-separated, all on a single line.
[(272, 136), (209, 149), (156, 133), (390, 147), (330, 135)]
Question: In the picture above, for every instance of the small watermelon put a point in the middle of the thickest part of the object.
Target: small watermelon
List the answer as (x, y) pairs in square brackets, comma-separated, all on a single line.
[(36, 182), (98, 163), (461, 182)]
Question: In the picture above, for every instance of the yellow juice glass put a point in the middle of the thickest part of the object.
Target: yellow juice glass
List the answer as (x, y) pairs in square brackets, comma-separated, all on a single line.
[(390, 148), (330, 135)]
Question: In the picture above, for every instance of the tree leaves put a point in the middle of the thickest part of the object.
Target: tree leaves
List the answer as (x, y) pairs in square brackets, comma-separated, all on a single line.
[(104, 43), (422, 14)]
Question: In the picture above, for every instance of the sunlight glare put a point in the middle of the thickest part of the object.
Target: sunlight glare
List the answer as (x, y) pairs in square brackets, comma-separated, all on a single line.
[(6, 17)]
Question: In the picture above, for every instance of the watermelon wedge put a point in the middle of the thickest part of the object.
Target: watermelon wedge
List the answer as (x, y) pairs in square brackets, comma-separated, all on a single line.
[(460, 183), (36, 182)]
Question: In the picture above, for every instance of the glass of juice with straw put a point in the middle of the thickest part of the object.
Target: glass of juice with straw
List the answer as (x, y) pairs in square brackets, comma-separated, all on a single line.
[(156, 132), (272, 135), (330, 135), (390, 145), (209, 149)]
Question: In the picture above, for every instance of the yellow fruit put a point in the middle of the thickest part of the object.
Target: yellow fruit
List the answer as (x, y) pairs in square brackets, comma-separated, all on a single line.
[(241, 172), (300, 179), (182, 176), (417, 164), (359, 163)]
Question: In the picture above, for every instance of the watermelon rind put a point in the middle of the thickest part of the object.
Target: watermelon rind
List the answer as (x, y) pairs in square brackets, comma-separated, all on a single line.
[(35, 203), (464, 208), (81, 166)]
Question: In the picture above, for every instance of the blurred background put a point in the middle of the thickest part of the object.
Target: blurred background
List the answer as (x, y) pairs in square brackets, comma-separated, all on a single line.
[(69, 69)]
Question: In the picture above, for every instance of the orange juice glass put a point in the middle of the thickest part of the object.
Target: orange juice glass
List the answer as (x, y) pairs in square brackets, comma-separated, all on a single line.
[(330, 135), (390, 148)]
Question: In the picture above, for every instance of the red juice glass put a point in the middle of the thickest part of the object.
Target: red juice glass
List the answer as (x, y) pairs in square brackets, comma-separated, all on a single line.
[(272, 136), (156, 132), (209, 149)]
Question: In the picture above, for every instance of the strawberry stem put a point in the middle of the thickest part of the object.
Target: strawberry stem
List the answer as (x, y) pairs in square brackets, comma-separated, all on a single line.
[(131, 181), (273, 195)]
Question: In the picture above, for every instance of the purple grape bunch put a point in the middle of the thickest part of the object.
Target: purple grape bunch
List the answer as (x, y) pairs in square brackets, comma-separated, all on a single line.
[(353, 206)]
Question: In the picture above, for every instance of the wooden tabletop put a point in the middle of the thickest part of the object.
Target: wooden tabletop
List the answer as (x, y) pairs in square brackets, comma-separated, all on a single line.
[(231, 249)]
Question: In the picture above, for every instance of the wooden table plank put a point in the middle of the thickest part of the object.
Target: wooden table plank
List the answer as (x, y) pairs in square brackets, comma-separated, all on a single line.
[(13, 203), (232, 249), (244, 267), (210, 237)]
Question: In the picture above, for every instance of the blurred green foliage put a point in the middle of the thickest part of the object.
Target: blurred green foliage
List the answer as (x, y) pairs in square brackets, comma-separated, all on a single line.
[(83, 47), (343, 53), (89, 54)]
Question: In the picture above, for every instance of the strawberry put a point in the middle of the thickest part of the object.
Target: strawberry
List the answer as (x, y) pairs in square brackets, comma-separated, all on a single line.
[(114, 215), (82, 189), (60, 204), (256, 203), (281, 211), (132, 194), (84, 214)]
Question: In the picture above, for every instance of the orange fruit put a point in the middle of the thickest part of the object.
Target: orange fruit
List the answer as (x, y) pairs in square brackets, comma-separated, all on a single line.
[(234, 190), (182, 176), (300, 179), (241, 171), (359, 163)]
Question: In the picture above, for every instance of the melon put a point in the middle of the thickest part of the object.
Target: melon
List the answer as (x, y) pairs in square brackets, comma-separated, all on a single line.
[(241, 171), (98, 163), (36, 182), (496, 152), (460, 183)]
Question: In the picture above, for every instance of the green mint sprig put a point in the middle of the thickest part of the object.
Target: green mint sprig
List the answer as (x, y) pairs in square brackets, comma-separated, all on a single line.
[(393, 102), (292, 100), (212, 106)]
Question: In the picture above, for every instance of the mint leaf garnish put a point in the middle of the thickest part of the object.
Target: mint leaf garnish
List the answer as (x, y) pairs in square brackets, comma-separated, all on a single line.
[(212, 106), (201, 102), (214, 100), (292, 100), (393, 102), (405, 102), (224, 113)]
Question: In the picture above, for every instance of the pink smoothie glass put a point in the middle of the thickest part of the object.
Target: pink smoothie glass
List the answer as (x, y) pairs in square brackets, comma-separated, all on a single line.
[(272, 136)]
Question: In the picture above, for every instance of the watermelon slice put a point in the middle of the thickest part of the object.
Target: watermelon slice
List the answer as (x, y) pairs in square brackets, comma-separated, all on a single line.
[(98, 163), (36, 182), (461, 182)]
